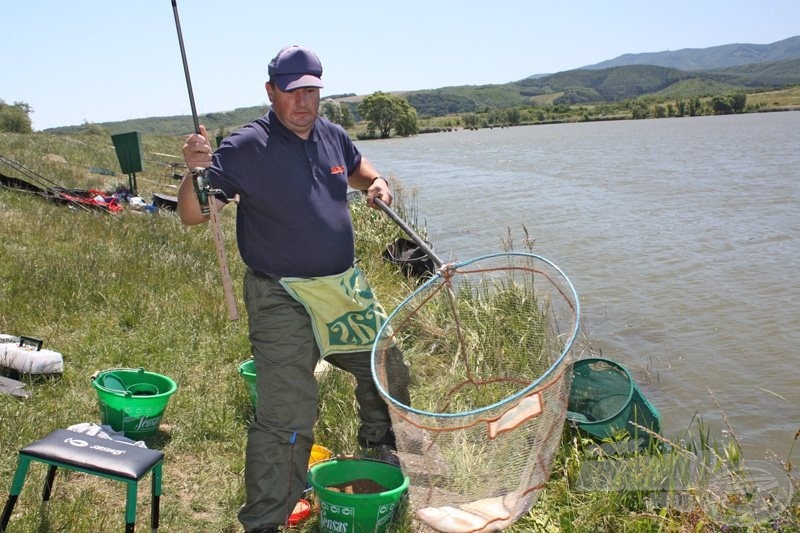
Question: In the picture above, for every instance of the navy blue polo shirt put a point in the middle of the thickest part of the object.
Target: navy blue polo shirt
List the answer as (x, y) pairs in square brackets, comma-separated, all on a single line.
[(292, 219)]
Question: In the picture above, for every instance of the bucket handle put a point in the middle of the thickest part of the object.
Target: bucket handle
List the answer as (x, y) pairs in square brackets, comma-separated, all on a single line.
[(123, 391), (98, 372)]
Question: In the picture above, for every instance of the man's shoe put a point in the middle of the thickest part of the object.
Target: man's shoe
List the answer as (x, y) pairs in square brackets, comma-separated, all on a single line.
[(384, 449), (388, 454)]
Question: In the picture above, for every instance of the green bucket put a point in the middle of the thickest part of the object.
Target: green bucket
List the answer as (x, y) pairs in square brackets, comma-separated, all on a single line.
[(605, 401), (371, 512), (133, 400), (248, 371)]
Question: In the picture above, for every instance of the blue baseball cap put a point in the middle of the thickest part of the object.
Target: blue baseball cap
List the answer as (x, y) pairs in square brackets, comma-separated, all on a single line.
[(295, 67)]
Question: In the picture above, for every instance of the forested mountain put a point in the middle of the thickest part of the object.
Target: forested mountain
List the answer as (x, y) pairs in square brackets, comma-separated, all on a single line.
[(728, 55), (770, 73), (584, 86)]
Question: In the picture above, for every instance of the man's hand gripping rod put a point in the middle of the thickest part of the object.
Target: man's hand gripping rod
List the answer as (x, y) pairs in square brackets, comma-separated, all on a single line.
[(205, 194)]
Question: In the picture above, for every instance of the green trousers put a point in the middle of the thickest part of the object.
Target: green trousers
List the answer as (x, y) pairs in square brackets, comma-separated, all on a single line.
[(281, 434)]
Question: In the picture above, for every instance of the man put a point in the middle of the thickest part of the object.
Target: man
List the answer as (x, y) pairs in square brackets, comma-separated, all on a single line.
[(289, 171)]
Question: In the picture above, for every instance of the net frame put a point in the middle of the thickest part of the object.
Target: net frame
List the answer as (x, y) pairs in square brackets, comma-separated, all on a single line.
[(509, 442)]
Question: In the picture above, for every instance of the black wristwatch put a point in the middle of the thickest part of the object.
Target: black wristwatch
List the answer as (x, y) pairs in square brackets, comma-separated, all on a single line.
[(378, 178)]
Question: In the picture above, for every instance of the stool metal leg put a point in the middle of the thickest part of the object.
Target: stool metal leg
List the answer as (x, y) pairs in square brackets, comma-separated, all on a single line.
[(16, 488), (130, 507), (156, 503), (10, 503), (48, 482)]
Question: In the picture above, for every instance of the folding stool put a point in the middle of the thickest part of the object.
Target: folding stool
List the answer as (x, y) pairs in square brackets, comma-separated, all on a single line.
[(91, 455)]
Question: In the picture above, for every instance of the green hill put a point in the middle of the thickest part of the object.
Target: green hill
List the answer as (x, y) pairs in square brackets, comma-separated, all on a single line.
[(693, 87), (612, 84), (582, 86), (766, 74), (728, 55), (178, 124)]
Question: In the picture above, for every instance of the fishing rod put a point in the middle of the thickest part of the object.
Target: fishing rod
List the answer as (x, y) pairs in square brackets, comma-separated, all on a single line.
[(45, 186), (202, 187)]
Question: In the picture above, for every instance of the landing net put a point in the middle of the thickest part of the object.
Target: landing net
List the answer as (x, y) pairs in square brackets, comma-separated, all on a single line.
[(474, 366)]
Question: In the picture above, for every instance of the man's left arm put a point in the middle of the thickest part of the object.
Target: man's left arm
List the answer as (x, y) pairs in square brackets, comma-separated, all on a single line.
[(367, 178)]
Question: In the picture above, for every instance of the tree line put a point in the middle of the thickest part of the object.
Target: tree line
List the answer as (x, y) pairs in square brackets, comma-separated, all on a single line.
[(386, 114)]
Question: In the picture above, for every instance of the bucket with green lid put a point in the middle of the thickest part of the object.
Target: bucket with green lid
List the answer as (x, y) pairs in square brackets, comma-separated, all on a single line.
[(133, 400)]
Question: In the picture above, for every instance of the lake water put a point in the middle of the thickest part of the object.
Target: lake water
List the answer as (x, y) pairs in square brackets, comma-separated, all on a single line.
[(681, 236)]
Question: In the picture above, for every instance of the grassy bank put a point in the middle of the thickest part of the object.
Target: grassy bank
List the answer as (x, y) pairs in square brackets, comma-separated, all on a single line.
[(138, 289)]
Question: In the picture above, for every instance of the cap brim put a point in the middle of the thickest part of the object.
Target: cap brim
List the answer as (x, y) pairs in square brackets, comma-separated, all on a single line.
[(290, 82)]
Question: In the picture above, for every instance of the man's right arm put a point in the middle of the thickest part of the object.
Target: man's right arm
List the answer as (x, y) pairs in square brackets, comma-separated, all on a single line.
[(196, 154)]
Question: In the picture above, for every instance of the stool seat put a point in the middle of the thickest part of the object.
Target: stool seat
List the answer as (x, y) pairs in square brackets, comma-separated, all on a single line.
[(92, 455), (96, 455)]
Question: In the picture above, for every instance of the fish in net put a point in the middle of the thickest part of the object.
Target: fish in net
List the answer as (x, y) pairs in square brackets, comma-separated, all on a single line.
[(475, 368)]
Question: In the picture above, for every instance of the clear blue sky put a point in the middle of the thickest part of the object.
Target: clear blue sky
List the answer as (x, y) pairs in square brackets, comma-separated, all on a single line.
[(99, 61)]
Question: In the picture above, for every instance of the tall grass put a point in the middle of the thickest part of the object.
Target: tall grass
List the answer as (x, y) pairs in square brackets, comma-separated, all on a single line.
[(141, 290)]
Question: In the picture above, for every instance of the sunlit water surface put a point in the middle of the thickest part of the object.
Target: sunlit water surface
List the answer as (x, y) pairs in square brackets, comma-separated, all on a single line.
[(681, 236)]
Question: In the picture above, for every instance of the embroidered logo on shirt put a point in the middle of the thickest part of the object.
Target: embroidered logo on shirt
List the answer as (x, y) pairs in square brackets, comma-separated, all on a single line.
[(337, 170)]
